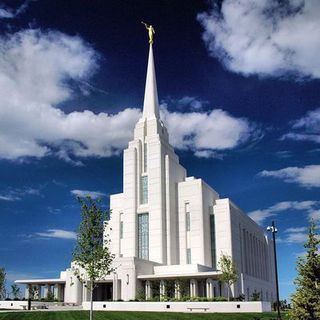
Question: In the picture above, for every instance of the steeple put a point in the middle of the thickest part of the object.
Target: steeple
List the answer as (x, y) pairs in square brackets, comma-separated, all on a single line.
[(151, 103)]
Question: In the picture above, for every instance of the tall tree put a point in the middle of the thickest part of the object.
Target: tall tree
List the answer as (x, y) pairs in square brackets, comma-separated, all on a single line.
[(92, 256), (2, 283), (229, 273), (306, 299)]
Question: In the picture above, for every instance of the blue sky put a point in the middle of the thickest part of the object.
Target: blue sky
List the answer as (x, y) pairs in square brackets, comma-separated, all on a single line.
[(238, 83)]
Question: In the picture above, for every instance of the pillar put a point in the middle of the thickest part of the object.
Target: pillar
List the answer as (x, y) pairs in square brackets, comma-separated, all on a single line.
[(193, 288), (37, 292), (148, 290), (85, 292), (115, 288), (58, 292), (27, 291), (162, 289), (210, 286), (46, 291), (177, 291)]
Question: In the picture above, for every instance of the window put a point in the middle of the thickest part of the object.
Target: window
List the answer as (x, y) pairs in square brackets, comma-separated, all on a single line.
[(187, 210), (213, 242), (143, 236), (145, 158), (144, 189), (121, 229), (188, 221), (188, 256)]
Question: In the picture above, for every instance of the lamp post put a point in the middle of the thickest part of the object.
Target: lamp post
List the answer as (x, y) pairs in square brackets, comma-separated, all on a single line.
[(274, 230)]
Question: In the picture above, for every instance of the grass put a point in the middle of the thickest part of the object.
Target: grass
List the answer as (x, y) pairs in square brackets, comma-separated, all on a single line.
[(113, 315)]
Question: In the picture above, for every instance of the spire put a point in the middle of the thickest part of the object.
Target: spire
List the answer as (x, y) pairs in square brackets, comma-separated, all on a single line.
[(151, 103)]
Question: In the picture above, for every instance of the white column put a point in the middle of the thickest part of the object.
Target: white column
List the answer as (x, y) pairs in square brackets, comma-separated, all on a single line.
[(46, 291), (85, 293), (148, 290), (58, 294), (177, 291), (27, 291), (37, 292), (210, 286), (193, 288), (115, 287), (162, 289)]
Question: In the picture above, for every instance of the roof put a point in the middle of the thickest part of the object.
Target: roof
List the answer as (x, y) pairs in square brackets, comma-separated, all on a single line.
[(41, 281), (213, 274)]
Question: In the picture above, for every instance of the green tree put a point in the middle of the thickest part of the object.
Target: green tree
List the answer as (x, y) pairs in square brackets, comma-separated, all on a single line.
[(2, 283), (91, 256), (15, 291), (306, 299), (229, 273)]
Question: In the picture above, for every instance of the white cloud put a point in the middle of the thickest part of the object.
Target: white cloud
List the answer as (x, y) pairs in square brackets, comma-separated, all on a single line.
[(208, 154), (200, 131), (16, 194), (185, 102), (296, 237), (260, 215), (57, 233), (265, 37), (85, 193), (9, 197), (308, 176), (306, 129), (7, 13), (298, 229), (37, 70), (314, 215)]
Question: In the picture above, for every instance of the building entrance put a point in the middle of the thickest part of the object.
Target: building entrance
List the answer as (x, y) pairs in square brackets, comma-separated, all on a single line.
[(103, 292)]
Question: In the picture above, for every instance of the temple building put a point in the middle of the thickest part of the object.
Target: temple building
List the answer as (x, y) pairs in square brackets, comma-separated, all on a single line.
[(168, 231)]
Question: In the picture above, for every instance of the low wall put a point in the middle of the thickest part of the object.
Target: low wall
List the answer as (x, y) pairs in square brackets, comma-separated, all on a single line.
[(13, 304), (252, 306), (18, 305)]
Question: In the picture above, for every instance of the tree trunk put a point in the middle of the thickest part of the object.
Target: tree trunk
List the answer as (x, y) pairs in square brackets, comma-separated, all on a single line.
[(228, 288), (91, 300)]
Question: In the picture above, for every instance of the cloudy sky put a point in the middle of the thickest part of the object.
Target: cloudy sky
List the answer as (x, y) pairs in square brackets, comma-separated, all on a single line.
[(239, 88)]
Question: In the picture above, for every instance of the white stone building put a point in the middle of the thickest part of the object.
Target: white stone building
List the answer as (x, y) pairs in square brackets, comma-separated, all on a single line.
[(168, 230)]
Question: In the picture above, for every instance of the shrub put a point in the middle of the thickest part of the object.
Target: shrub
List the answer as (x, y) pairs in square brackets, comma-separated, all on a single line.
[(219, 298), (141, 295), (255, 296)]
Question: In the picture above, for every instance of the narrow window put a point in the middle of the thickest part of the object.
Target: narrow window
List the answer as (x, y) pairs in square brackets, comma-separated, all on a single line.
[(188, 256), (187, 211), (144, 189), (145, 158), (143, 236), (188, 221), (121, 229), (213, 242)]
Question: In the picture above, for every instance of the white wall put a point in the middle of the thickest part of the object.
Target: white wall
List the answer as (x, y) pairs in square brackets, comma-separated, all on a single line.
[(230, 307)]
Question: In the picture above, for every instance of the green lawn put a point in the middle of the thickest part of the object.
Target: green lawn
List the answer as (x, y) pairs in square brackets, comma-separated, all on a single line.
[(111, 315)]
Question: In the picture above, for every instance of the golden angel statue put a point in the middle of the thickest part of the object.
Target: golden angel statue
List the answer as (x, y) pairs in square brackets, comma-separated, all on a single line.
[(151, 31)]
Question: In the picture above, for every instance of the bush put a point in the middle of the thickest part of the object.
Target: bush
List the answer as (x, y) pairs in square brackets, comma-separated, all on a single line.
[(255, 296), (185, 298), (141, 295), (219, 298)]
